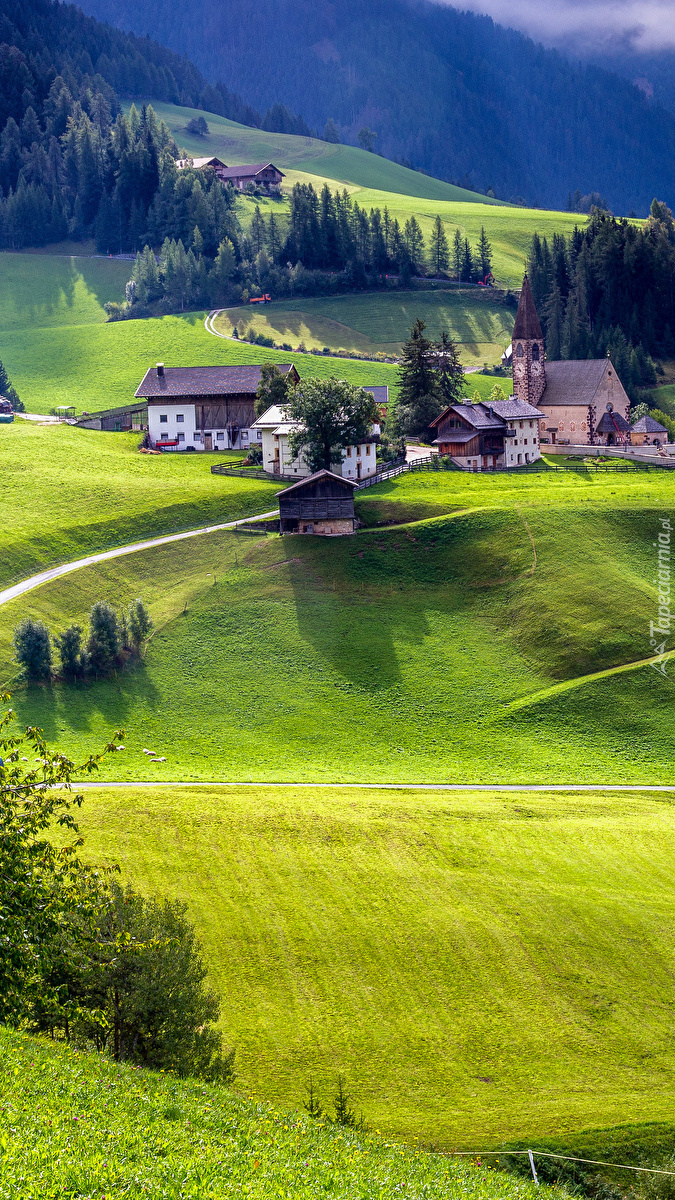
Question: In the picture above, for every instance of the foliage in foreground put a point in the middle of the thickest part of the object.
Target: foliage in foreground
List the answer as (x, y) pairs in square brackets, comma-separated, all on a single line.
[(81, 957), (75, 1125)]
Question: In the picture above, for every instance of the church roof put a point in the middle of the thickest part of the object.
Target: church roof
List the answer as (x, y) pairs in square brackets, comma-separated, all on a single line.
[(527, 324), (573, 381), (612, 422), (647, 424)]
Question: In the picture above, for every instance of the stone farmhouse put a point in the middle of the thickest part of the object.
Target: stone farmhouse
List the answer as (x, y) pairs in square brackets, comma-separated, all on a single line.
[(582, 402), (479, 437), (323, 503), (274, 430), (264, 175), (203, 408)]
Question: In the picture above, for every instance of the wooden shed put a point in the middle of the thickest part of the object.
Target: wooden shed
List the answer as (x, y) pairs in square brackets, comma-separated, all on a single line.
[(323, 503)]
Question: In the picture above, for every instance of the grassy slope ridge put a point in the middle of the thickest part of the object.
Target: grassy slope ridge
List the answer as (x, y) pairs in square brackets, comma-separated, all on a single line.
[(381, 321), (375, 182), (482, 967), (367, 650), (234, 144), (75, 1125)]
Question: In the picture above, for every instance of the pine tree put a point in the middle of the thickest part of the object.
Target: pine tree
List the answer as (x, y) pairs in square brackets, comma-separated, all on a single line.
[(439, 252), (467, 261), (273, 239), (258, 231), (419, 399), (8, 391), (457, 255), (554, 324), (484, 255), (449, 370), (414, 241)]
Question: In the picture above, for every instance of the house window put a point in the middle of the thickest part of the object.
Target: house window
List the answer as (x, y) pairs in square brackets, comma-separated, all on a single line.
[(198, 437), (349, 451), (163, 420), (180, 418), (220, 437), (609, 407), (524, 441), (535, 352), (572, 426), (368, 448), (561, 426), (583, 426), (181, 437), (519, 351)]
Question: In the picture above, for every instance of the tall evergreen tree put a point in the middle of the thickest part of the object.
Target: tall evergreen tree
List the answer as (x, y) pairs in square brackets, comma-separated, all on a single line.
[(450, 372), (419, 397), (484, 254), (439, 252)]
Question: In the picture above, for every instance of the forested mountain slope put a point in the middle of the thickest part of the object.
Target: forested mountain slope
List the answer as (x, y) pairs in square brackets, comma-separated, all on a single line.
[(451, 92)]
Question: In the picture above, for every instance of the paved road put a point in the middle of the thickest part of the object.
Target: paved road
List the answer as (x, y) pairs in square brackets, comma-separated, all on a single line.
[(27, 585)]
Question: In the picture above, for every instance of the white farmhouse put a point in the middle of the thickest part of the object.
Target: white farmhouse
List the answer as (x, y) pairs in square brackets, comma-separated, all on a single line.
[(203, 408), (357, 461)]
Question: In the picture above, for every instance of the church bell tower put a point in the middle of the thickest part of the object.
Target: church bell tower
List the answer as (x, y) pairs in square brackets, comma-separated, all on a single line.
[(527, 348)]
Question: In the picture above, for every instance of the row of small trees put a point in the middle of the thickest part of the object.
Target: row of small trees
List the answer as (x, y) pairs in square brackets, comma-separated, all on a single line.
[(111, 637)]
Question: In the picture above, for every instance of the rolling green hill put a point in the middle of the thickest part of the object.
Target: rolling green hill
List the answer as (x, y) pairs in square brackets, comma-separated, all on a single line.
[(482, 967), (302, 156), (75, 1125), (381, 321)]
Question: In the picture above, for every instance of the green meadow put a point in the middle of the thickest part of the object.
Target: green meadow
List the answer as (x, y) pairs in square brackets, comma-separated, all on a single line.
[(477, 604), (381, 321), (300, 157), (482, 967), (75, 1125)]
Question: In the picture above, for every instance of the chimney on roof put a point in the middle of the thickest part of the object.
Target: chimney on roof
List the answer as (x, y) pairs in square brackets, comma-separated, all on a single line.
[(160, 370)]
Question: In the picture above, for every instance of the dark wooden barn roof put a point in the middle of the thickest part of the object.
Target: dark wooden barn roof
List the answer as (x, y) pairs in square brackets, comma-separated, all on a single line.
[(309, 483), (205, 381)]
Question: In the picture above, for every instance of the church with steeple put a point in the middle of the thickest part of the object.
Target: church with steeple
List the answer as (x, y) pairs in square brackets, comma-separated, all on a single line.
[(581, 402)]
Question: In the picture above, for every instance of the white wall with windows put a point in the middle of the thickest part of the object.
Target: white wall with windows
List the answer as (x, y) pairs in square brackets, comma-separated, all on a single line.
[(176, 425), (524, 447)]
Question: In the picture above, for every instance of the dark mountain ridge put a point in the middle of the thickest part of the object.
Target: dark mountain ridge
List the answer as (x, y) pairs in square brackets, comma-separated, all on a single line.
[(446, 91)]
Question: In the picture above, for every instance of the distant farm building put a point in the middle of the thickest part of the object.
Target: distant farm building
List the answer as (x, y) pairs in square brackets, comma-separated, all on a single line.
[(323, 503), (126, 419), (204, 408), (275, 429), (264, 175)]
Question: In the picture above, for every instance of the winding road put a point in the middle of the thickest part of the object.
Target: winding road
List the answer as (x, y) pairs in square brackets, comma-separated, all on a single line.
[(27, 585)]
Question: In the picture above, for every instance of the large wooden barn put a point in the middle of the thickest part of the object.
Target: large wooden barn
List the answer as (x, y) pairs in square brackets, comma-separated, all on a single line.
[(323, 503)]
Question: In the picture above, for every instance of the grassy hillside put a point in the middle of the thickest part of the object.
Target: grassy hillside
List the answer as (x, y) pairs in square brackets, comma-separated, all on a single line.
[(99, 366), (381, 321), (375, 182), (343, 648), (68, 492), (298, 156), (39, 291), (482, 967), (75, 1125)]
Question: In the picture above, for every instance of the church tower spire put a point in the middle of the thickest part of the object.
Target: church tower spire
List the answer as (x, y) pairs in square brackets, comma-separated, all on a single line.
[(529, 370)]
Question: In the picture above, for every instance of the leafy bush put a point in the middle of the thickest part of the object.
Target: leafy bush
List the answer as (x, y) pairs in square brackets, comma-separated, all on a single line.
[(69, 646), (32, 648), (104, 638), (139, 624)]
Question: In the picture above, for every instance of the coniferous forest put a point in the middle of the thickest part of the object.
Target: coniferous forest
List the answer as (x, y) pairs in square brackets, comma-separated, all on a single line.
[(608, 289)]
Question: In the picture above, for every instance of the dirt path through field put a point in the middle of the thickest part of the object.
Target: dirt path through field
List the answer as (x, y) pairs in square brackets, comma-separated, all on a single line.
[(34, 581)]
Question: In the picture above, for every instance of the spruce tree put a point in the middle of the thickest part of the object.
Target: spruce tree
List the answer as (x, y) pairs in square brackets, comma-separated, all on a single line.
[(467, 261), (419, 398), (258, 232), (439, 252), (457, 255), (484, 254), (8, 392), (450, 371)]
